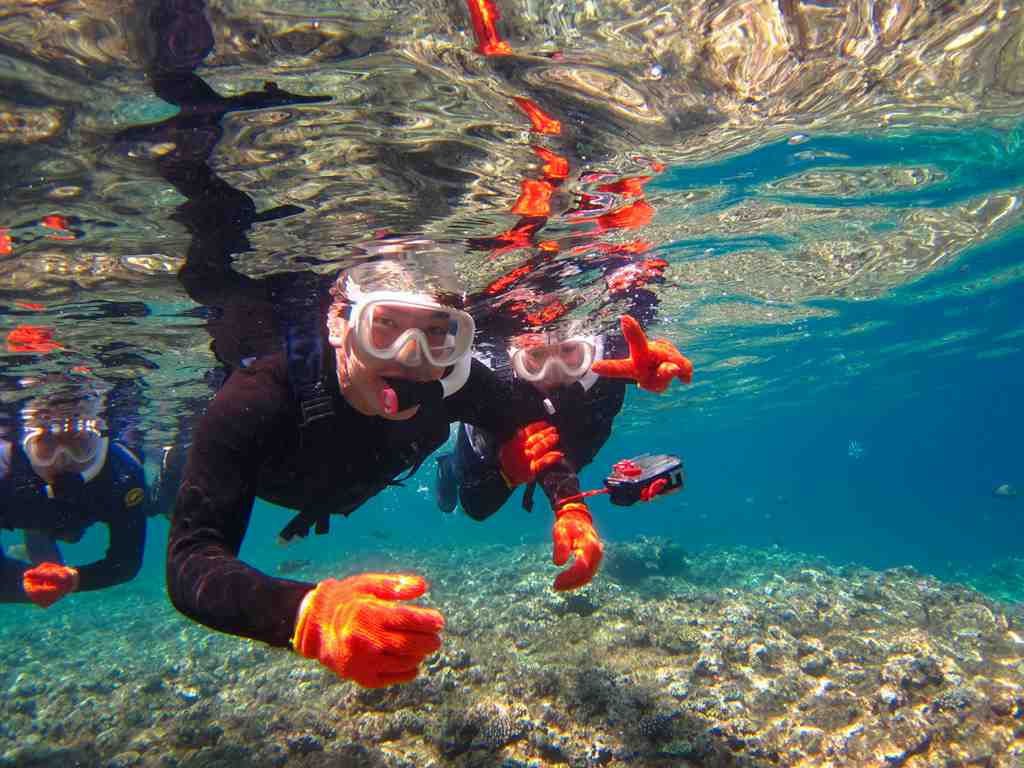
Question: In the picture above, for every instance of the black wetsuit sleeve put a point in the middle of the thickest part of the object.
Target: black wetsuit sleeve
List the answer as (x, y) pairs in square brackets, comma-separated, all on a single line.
[(11, 570), (501, 408), (124, 553), (205, 579), (11, 573)]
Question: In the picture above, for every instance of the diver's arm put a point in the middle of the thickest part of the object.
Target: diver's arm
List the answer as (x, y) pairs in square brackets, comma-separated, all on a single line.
[(11, 574), (205, 579), (126, 524), (11, 570), (41, 547), (482, 489), (124, 553)]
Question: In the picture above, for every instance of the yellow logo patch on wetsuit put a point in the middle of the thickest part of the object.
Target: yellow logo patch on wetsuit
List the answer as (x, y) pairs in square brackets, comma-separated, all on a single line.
[(134, 497)]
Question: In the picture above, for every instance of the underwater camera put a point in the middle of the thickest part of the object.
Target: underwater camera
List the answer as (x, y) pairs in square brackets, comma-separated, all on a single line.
[(643, 478)]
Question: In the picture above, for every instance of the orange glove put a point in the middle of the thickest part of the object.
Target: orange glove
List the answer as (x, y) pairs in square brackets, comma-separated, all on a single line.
[(49, 582), (528, 453), (354, 628), (574, 534), (651, 364)]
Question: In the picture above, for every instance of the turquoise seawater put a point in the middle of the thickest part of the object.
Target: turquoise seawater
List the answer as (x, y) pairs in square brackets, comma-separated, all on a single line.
[(875, 434), (841, 580)]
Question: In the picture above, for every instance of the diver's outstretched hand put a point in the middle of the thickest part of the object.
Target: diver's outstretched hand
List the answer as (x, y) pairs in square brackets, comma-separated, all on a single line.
[(47, 583), (574, 534), (529, 452), (651, 364), (355, 628)]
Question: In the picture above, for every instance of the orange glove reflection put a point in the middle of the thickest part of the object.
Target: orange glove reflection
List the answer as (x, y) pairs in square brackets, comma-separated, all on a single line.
[(353, 628), (528, 453), (574, 534), (651, 364), (49, 582)]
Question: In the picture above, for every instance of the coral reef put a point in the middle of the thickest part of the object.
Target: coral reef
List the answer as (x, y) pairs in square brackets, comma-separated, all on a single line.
[(738, 657)]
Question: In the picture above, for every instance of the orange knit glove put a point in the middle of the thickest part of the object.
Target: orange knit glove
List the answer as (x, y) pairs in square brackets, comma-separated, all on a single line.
[(528, 452), (49, 582), (574, 534), (354, 628), (651, 364)]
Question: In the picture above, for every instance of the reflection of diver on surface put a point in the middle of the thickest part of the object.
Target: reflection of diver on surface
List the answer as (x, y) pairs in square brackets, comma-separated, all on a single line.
[(246, 318), (244, 315), (64, 471)]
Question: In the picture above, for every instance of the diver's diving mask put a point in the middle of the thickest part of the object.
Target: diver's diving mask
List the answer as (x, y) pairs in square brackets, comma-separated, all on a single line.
[(573, 357), (79, 440), (395, 326)]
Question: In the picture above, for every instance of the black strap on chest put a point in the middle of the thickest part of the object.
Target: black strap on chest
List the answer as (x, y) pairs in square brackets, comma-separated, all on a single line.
[(307, 376), (310, 375), (305, 356)]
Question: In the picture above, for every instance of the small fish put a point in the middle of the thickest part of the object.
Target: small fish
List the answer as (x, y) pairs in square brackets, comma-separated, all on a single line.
[(17, 552), (291, 566), (380, 533), (1005, 491)]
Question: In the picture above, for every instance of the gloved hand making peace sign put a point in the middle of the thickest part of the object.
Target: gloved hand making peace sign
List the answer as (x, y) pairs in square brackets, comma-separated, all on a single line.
[(651, 364)]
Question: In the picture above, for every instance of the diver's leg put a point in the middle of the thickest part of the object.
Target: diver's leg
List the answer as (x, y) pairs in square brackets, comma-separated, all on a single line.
[(446, 487), (484, 498)]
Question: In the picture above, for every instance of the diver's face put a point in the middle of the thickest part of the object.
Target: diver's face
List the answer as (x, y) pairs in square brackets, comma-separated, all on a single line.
[(540, 356), (363, 379)]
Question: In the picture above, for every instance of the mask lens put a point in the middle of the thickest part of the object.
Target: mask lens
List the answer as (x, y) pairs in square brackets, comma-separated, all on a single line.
[(81, 446), (534, 359), (572, 355), (42, 448), (78, 440), (387, 328), (569, 358)]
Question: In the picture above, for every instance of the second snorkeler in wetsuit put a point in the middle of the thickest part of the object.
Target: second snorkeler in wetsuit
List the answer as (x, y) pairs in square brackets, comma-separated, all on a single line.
[(563, 372), (63, 476), (556, 371)]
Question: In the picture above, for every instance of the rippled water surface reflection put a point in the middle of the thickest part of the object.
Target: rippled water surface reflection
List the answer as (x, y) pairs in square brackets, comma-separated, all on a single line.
[(774, 154)]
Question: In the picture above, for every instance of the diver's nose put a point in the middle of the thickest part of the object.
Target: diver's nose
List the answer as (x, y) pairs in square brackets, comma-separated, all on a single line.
[(409, 354)]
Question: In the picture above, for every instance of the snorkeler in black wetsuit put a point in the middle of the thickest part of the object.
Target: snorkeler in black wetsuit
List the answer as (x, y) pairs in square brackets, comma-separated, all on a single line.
[(397, 373), (61, 477)]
